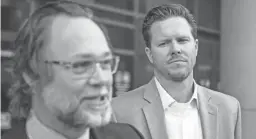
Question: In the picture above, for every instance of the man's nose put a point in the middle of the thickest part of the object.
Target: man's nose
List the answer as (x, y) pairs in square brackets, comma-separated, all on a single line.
[(99, 77), (175, 48)]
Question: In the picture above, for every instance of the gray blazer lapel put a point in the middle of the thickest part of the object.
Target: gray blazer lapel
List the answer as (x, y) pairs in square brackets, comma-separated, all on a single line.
[(208, 114), (154, 112)]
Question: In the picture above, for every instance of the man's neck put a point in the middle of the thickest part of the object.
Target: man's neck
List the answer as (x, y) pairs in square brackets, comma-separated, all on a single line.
[(180, 91), (52, 122)]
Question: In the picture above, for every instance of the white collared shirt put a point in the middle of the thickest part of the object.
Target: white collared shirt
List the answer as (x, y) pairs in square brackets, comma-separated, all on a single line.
[(182, 120)]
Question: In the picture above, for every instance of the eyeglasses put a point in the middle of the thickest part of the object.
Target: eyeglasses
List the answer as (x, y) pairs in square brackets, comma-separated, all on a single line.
[(87, 68)]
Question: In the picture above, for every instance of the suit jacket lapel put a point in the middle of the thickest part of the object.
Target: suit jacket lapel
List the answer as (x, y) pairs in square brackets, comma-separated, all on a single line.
[(154, 112), (208, 112)]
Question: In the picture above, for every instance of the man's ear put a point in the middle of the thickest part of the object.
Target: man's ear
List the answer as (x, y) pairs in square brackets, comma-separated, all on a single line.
[(149, 54), (27, 79), (33, 84), (196, 45)]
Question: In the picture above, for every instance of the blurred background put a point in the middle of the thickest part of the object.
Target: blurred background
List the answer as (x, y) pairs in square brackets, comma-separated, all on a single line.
[(227, 32)]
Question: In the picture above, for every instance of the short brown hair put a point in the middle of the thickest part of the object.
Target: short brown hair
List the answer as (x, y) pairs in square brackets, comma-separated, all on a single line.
[(164, 12)]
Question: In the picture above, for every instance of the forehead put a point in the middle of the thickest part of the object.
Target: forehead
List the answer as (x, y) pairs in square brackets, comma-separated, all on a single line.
[(72, 37), (173, 26)]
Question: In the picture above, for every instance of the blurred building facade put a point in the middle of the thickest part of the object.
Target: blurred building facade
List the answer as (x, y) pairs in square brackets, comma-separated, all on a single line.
[(123, 19)]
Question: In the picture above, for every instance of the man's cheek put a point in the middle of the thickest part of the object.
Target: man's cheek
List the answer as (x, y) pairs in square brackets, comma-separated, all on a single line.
[(56, 100)]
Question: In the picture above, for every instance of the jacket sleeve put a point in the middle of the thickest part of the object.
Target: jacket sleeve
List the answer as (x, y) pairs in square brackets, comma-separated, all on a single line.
[(238, 127)]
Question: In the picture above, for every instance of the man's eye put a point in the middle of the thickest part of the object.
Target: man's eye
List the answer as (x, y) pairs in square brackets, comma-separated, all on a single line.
[(106, 62), (163, 44), (183, 40), (82, 64)]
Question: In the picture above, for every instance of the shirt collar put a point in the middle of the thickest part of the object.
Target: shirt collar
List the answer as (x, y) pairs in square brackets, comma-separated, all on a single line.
[(36, 130), (168, 99)]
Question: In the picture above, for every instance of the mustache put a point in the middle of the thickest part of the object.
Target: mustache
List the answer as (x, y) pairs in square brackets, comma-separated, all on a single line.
[(95, 97), (177, 58), (102, 95)]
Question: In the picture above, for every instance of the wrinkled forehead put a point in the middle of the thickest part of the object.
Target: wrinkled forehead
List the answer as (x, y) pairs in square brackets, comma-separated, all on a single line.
[(72, 37)]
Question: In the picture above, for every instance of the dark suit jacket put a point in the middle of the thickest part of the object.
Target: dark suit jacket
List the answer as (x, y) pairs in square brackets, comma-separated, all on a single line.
[(111, 131), (220, 114)]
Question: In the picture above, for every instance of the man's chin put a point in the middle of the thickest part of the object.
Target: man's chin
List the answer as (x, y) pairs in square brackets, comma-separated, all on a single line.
[(178, 77), (99, 119), (87, 118)]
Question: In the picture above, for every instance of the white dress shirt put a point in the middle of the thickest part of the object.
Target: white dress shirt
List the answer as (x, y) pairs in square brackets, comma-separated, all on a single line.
[(182, 119)]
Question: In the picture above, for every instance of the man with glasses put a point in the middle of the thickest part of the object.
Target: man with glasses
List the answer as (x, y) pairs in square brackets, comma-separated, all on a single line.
[(63, 77)]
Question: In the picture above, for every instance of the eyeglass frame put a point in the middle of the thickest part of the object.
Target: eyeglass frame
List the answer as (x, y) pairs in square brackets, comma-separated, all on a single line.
[(70, 65)]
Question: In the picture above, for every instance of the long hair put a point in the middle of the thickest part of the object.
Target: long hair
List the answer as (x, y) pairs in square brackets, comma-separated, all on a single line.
[(29, 40)]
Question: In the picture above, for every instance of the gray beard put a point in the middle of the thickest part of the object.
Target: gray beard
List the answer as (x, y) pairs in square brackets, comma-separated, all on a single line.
[(75, 120)]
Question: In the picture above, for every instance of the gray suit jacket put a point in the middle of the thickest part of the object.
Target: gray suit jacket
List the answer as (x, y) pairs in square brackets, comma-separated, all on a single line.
[(220, 114)]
